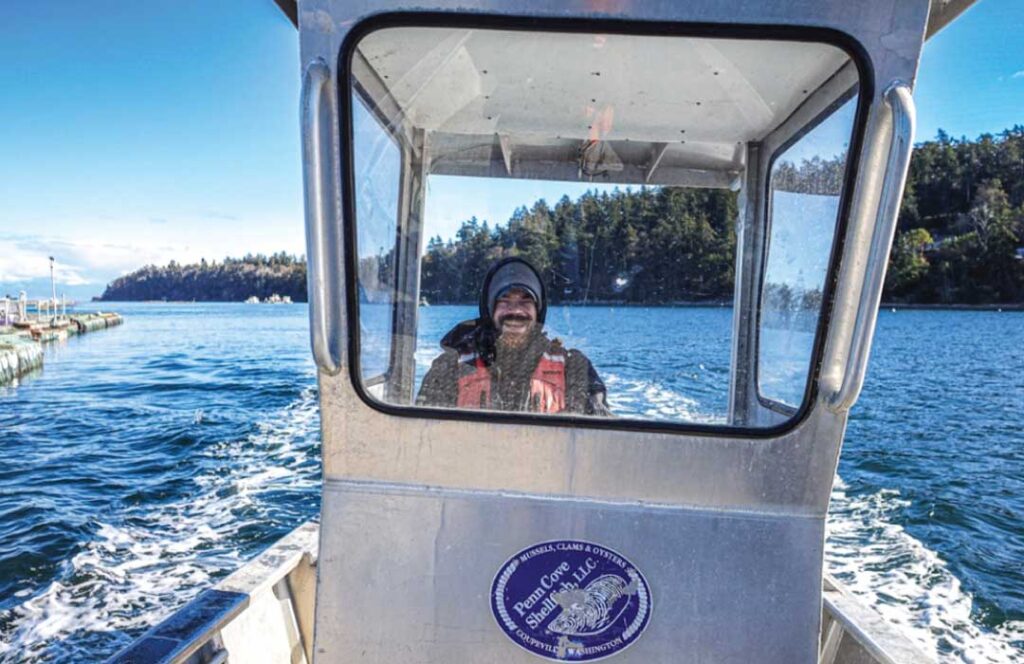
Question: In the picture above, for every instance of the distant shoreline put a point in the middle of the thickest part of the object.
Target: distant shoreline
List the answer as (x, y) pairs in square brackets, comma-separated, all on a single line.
[(97, 301), (1019, 306), (717, 304)]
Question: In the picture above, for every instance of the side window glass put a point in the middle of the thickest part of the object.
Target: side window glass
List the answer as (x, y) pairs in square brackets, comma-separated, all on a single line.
[(378, 165), (805, 185)]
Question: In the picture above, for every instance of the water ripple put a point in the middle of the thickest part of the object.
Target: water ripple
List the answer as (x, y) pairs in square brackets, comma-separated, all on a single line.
[(147, 461)]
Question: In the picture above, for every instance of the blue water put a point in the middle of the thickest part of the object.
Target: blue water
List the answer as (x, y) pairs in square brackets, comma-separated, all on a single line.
[(147, 461)]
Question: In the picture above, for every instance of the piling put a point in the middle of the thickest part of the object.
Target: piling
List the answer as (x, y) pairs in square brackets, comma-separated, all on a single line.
[(19, 354), (21, 341), (80, 324)]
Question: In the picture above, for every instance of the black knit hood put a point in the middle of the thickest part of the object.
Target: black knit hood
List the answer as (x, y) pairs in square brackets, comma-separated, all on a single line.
[(478, 335), (542, 297)]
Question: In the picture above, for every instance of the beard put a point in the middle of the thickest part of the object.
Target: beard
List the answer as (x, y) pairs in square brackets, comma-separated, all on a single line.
[(515, 340)]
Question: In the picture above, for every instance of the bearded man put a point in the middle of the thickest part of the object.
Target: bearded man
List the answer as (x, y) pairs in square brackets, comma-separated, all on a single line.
[(503, 360)]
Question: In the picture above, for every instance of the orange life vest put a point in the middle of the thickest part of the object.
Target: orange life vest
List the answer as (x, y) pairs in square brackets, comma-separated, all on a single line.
[(547, 385)]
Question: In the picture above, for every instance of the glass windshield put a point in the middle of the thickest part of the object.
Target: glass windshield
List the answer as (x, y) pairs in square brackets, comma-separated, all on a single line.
[(566, 235), (634, 287)]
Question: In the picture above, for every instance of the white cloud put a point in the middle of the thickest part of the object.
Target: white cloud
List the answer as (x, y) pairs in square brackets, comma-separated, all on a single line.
[(1018, 74), (97, 260), (93, 252), (21, 264), (77, 263)]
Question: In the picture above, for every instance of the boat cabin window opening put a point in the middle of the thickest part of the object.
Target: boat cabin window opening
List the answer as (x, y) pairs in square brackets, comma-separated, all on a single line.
[(378, 178), (806, 184), (544, 225)]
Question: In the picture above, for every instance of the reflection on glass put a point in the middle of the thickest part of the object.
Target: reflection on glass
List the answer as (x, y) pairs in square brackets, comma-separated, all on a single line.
[(377, 168), (546, 224), (806, 184)]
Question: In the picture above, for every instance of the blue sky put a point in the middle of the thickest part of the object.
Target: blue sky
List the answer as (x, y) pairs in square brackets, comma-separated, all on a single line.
[(140, 132)]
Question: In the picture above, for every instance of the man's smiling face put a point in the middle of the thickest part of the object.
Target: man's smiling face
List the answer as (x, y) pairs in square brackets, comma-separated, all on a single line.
[(515, 315)]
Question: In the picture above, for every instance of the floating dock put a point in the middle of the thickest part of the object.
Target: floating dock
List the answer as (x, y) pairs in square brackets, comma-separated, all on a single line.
[(21, 342)]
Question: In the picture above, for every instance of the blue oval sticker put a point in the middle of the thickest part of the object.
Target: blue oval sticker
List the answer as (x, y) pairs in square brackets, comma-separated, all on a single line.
[(569, 600)]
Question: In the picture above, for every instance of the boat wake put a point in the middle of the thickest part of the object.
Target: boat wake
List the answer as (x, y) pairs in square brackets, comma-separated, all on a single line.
[(140, 565), (649, 400), (156, 557), (878, 561)]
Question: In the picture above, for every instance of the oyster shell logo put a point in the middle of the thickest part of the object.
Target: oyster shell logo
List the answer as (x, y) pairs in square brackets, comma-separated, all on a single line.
[(571, 601)]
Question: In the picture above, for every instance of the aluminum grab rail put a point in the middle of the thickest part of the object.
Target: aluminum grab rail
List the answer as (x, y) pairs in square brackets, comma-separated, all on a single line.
[(322, 333), (846, 618), (901, 106)]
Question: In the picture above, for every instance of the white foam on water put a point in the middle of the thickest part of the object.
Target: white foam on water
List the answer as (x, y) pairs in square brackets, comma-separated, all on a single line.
[(652, 401), (133, 574), (910, 585)]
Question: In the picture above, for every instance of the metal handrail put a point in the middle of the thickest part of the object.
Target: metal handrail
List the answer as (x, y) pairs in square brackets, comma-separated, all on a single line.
[(876, 639), (901, 106), (314, 81)]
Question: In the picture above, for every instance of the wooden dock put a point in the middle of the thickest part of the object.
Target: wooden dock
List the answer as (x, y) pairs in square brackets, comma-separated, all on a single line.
[(21, 341)]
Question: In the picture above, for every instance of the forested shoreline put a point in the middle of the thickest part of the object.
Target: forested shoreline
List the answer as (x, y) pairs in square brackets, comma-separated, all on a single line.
[(961, 226), (230, 280), (960, 241)]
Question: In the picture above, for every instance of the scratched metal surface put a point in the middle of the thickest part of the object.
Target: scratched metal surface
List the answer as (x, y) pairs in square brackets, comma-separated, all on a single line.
[(751, 509), (421, 593)]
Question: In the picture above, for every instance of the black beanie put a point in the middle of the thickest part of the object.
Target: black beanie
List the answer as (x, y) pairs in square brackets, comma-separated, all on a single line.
[(506, 275)]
